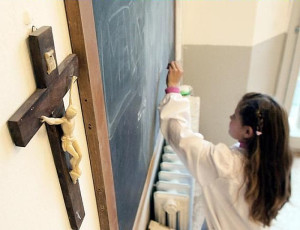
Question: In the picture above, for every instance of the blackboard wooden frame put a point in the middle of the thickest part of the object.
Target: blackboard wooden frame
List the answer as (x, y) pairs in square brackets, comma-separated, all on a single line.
[(84, 43), (81, 24)]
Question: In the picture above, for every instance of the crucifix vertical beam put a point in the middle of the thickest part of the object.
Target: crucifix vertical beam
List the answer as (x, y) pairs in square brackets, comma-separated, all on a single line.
[(53, 82)]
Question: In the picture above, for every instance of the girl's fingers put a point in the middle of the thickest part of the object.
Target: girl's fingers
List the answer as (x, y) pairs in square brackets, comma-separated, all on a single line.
[(178, 66), (173, 65), (174, 75)]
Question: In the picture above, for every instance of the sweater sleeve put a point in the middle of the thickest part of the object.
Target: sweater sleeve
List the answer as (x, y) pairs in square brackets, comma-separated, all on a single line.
[(198, 155)]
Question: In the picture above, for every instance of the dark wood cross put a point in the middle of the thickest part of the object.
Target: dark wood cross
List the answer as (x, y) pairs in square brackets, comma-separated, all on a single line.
[(52, 84)]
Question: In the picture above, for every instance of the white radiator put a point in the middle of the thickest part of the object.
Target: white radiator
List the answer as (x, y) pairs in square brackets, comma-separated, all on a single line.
[(173, 199), (174, 196)]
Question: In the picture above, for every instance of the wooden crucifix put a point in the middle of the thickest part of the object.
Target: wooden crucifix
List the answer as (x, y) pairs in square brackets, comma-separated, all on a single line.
[(53, 82)]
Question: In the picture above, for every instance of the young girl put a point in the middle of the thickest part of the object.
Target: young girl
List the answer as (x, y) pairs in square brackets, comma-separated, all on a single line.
[(243, 186)]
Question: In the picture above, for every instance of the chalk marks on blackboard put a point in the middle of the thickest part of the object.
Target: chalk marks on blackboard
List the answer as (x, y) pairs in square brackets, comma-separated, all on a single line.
[(124, 36), (125, 101), (118, 12), (136, 41), (142, 109)]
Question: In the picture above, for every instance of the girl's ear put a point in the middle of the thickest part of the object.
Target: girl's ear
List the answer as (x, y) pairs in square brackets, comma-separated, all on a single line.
[(248, 132)]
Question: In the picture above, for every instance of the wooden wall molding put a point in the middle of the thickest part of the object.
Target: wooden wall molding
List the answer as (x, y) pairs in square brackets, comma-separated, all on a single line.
[(81, 24)]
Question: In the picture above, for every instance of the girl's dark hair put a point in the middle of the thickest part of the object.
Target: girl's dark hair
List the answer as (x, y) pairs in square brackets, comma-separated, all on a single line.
[(268, 163)]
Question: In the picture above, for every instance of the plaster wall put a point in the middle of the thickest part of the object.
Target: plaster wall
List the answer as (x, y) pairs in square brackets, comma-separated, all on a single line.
[(232, 23), (265, 64), (219, 76), (228, 49), (218, 22), (30, 193), (271, 20)]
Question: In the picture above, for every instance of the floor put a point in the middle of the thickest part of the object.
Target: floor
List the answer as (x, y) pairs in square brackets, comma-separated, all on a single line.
[(289, 216)]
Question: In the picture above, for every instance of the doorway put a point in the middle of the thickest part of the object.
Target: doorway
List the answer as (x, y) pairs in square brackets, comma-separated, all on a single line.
[(288, 87), (288, 92), (292, 100)]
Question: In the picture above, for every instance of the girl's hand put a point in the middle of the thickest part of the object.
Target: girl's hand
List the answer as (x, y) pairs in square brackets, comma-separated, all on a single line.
[(174, 75)]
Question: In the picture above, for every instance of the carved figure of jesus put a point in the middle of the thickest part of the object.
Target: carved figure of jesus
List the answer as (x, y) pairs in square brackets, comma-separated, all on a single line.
[(69, 142)]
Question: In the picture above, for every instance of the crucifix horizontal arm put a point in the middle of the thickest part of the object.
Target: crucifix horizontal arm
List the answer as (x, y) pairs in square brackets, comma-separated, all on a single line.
[(26, 121)]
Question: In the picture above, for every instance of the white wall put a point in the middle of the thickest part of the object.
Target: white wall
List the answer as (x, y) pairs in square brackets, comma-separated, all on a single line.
[(233, 23), (30, 193), (271, 22), (218, 22), (272, 19), (242, 40)]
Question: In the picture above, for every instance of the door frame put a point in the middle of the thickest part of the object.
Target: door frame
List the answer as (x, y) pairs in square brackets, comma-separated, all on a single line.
[(294, 141), (288, 73), (83, 38)]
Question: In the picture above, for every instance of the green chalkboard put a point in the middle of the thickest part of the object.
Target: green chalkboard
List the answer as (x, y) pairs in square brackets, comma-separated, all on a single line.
[(136, 42)]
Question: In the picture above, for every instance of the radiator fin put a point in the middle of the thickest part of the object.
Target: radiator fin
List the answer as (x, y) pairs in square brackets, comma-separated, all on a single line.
[(173, 199)]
